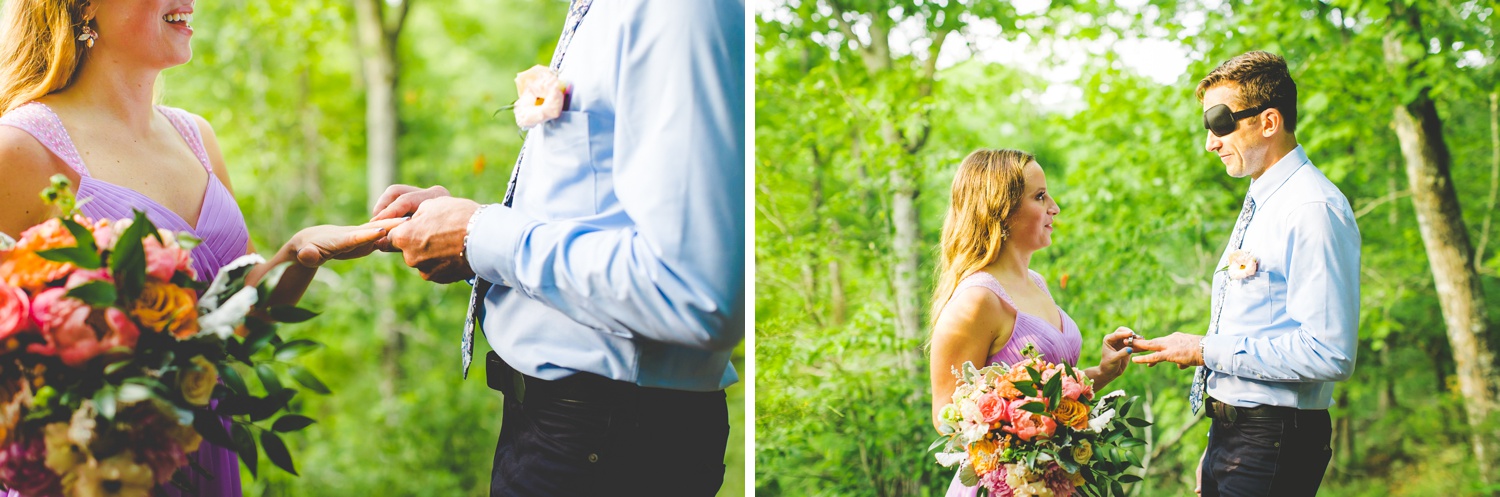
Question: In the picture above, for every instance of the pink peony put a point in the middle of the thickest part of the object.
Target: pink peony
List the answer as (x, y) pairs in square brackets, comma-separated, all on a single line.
[(69, 333), (83, 277), (106, 232), (165, 259), (993, 408), (1074, 388), (1028, 425), (23, 468), (15, 311)]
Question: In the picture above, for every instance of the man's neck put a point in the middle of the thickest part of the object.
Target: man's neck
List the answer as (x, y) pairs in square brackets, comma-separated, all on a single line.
[(1275, 151)]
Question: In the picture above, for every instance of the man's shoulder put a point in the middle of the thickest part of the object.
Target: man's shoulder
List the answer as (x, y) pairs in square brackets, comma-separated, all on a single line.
[(1308, 185)]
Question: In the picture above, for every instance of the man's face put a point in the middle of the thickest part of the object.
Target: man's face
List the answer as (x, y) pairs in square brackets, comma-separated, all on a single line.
[(1243, 151)]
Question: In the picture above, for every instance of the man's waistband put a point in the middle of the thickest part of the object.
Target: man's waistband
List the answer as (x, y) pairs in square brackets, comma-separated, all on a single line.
[(1226, 412), (585, 387)]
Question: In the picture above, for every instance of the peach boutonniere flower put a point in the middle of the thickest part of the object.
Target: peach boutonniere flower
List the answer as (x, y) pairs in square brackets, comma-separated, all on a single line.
[(1242, 264), (542, 96)]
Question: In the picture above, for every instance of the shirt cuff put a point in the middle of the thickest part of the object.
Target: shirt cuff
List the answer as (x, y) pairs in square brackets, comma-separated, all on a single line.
[(494, 241), (1217, 350)]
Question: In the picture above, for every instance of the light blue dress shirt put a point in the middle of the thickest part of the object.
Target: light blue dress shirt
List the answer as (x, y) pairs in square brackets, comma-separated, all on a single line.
[(623, 253), (1290, 331)]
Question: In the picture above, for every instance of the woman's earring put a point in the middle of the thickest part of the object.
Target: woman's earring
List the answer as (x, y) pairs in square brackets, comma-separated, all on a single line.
[(88, 36)]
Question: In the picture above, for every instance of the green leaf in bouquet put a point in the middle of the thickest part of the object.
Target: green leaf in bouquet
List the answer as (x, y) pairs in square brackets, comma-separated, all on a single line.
[(1066, 461), (115, 367), (1118, 489), (1034, 407), (276, 451), (1138, 422), (244, 445), (260, 335), (938, 443), (1053, 389), (295, 348), (77, 256), (266, 407), (128, 260), (291, 314), (208, 426), (131, 393), (1026, 388), (233, 380), (96, 294), (1036, 376), (1129, 442), (967, 476), (294, 422), (187, 241), (268, 379), (83, 237), (104, 401), (1129, 479), (308, 380), (236, 404)]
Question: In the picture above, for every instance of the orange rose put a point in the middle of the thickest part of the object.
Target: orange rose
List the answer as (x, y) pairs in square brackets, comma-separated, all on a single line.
[(1006, 385), (168, 308), (24, 269), (984, 455), (1072, 413)]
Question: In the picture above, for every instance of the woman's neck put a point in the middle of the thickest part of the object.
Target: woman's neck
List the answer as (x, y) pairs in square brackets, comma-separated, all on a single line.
[(123, 93), (1013, 264)]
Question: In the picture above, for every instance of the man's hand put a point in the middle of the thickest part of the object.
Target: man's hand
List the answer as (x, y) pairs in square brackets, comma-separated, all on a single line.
[(1198, 475), (432, 241), (403, 200), (1178, 348)]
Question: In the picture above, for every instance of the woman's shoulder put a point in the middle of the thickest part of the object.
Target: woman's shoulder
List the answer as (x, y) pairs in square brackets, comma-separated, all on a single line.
[(21, 152), (973, 305)]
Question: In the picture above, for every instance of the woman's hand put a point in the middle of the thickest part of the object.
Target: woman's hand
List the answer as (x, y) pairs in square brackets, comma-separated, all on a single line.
[(1115, 353), (314, 246)]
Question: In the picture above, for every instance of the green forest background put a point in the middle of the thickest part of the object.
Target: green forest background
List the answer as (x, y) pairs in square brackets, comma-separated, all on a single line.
[(286, 84), (865, 107)]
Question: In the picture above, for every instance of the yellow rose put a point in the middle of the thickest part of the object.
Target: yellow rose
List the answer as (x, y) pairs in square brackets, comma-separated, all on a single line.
[(1072, 413), (1083, 452), (198, 384), (168, 308)]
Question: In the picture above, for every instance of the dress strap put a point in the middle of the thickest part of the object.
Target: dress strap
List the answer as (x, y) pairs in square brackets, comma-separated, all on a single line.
[(1037, 277), (983, 279), (188, 128), (38, 120)]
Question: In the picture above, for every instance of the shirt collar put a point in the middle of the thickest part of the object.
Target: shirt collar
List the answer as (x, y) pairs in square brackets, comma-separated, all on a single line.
[(1275, 176)]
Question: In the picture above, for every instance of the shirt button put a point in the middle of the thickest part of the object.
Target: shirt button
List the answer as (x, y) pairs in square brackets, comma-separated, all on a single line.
[(593, 457)]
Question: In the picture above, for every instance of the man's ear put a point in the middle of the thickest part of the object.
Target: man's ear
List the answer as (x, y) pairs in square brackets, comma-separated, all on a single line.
[(1271, 122)]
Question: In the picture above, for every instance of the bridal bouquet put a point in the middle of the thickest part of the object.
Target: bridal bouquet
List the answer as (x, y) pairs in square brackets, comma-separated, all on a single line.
[(110, 359), (1037, 429)]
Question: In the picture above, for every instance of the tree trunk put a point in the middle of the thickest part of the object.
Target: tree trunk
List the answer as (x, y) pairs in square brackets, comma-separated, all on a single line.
[(906, 281), (379, 31), (1420, 133)]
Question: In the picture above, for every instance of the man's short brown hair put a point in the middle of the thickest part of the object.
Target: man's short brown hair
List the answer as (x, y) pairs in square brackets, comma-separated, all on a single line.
[(1262, 79)]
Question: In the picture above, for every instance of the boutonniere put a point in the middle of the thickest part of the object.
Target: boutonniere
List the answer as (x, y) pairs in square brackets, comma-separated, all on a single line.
[(1242, 264), (542, 96)]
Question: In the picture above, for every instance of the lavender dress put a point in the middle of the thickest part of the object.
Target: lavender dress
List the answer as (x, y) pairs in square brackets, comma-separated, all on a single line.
[(1056, 346), (220, 225)]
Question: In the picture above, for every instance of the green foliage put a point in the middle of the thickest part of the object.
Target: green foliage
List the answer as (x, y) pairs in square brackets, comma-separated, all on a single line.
[(1144, 216)]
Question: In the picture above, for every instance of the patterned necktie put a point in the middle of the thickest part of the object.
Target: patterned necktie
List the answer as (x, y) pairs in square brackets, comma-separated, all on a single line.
[(475, 315), (1236, 240)]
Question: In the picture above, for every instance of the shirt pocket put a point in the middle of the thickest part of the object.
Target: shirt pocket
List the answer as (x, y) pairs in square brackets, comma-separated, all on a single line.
[(558, 179), (1248, 301)]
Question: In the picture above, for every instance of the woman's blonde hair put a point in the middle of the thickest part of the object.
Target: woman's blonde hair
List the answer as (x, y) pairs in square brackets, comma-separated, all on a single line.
[(39, 48), (988, 187)]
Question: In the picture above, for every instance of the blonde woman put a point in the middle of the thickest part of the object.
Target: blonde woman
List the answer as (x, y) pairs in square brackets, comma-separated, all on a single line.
[(989, 304), (77, 83)]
